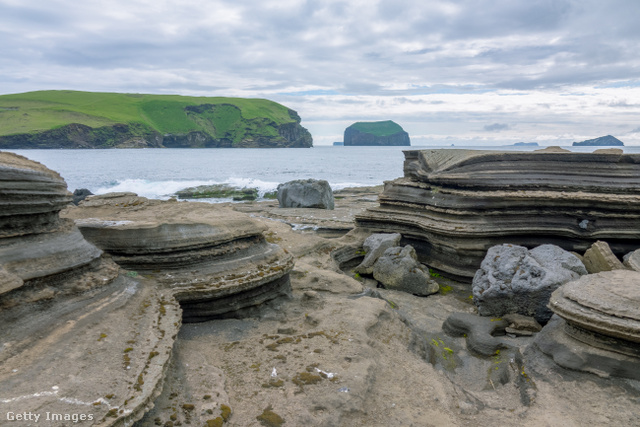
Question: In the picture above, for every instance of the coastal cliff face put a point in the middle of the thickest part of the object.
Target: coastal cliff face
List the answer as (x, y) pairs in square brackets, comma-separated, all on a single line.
[(453, 205), (376, 134), (61, 119)]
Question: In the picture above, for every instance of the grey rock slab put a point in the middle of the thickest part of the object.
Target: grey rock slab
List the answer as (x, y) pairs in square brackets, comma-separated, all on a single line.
[(374, 246), (599, 257), (305, 193), (576, 355), (606, 303), (513, 279), (398, 268), (632, 260)]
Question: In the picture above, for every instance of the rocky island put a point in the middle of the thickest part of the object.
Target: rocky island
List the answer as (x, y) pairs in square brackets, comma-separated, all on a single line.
[(126, 311), (376, 134), (605, 141), (71, 119)]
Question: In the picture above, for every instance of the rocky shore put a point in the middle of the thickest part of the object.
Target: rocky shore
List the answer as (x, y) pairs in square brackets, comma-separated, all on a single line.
[(168, 313)]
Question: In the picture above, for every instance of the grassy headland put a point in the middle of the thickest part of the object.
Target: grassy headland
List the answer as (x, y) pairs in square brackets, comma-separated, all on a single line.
[(72, 119)]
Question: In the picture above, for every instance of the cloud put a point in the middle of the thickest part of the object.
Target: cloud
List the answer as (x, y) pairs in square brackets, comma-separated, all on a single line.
[(496, 127), (485, 61)]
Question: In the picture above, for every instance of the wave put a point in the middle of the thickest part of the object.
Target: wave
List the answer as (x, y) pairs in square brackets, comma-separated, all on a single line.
[(166, 189)]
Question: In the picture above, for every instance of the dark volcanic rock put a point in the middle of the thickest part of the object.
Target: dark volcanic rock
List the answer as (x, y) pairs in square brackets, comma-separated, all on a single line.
[(453, 205), (608, 140), (512, 279), (376, 133), (306, 193), (79, 194), (398, 268), (218, 191)]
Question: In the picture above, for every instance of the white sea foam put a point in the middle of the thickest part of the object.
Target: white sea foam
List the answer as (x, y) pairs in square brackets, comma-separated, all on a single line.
[(166, 189)]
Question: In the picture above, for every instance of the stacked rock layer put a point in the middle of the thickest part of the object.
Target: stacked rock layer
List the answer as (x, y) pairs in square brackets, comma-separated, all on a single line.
[(597, 324), (453, 205), (76, 337), (214, 261)]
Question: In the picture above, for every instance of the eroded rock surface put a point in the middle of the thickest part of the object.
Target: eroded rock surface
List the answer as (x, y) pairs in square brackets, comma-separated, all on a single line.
[(453, 205), (77, 338), (512, 279), (237, 269)]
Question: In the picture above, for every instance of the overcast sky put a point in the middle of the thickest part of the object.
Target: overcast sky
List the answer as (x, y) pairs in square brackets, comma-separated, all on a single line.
[(465, 72)]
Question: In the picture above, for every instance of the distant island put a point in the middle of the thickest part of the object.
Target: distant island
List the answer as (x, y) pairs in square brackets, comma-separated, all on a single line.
[(376, 134), (608, 141), (338, 143), (72, 119), (526, 144)]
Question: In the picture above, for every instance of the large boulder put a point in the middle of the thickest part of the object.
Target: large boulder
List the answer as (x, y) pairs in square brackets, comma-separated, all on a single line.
[(374, 246), (306, 193), (512, 279), (398, 268)]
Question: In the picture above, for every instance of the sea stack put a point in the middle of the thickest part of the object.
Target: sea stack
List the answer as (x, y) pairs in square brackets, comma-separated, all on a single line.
[(376, 134)]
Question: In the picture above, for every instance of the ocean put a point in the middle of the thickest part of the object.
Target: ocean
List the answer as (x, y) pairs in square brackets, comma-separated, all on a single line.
[(159, 173)]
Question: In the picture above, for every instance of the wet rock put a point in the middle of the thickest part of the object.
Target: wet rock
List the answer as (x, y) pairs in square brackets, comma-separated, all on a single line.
[(309, 193), (218, 191), (398, 268), (513, 279), (480, 332), (453, 205), (374, 246), (237, 269), (599, 257), (79, 194)]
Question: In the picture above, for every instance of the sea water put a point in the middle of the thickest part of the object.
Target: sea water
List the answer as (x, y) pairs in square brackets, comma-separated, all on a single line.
[(159, 173)]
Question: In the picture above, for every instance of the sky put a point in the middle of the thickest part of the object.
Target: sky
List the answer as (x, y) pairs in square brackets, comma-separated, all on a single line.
[(464, 72)]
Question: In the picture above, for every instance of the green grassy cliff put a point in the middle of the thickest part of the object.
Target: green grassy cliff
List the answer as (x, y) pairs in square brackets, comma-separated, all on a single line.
[(71, 119), (376, 134)]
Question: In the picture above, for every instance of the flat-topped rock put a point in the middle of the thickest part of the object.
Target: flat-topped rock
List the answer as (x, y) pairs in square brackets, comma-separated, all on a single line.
[(453, 205), (607, 303), (236, 267)]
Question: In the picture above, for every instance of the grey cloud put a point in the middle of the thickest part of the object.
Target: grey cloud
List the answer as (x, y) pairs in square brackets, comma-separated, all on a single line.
[(496, 127)]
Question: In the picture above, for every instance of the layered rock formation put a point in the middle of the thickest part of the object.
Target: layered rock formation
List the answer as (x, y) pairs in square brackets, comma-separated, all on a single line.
[(376, 133), (236, 268), (453, 205), (597, 328), (77, 339)]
